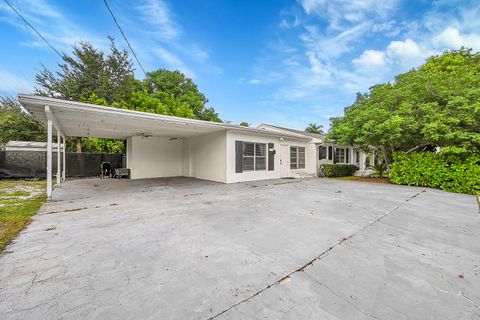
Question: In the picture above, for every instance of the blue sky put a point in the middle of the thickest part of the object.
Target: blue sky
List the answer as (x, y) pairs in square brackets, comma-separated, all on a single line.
[(282, 62)]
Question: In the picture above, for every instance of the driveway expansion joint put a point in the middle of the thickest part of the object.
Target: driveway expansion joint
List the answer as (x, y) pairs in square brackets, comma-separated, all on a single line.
[(318, 257)]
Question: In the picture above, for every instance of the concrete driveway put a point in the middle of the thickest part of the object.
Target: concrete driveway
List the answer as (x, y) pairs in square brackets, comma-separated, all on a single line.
[(283, 249)]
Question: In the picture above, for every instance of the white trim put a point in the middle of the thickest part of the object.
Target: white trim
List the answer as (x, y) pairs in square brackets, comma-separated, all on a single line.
[(51, 116), (64, 146), (58, 159), (49, 157)]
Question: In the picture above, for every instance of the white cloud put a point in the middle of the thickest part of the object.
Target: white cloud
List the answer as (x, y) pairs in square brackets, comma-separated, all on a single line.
[(370, 59), (320, 71), (57, 28), (451, 38), (406, 53), (12, 84), (157, 13), (326, 46), (173, 61), (340, 13), (198, 53)]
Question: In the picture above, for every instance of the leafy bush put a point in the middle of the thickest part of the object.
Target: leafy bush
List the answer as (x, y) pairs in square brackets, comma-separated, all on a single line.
[(338, 170), (451, 170), (380, 168)]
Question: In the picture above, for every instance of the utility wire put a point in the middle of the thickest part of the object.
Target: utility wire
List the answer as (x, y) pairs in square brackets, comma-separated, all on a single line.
[(33, 28), (124, 36)]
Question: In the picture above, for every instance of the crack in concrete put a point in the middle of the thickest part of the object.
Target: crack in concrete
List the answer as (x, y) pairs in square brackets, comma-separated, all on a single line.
[(342, 298), (318, 257)]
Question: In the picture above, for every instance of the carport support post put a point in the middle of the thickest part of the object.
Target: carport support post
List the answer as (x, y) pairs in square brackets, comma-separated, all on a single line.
[(58, 158), (64, 145), (49, 157)]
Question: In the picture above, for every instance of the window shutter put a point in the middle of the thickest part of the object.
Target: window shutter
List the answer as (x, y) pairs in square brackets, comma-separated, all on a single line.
[(347, 155), (334, 150), (271, 157), (238, 156)]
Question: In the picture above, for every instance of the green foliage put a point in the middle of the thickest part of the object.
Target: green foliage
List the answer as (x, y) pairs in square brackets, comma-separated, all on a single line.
[(453, 169), (90, 76), (178, 94), (379, 168), (143, 101), (436, 104), (338, 170), (245, 124), (15, 124), (314, 128), (89, 71)]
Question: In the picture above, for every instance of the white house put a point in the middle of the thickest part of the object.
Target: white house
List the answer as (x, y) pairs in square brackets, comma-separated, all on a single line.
[(165, 146)]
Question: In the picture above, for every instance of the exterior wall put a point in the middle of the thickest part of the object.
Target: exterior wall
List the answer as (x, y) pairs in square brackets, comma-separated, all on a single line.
[(232, 176), (154, 157), (204, 157), (210, 157)]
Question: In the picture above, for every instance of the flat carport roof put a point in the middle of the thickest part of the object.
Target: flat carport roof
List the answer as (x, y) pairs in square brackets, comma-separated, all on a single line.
[(76, 119)]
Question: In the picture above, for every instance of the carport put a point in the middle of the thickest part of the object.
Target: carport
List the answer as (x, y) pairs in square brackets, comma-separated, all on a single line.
[(157, 145)]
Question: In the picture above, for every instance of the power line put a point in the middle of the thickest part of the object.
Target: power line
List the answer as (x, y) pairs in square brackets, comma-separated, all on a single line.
[(33, 28), (124, 36)]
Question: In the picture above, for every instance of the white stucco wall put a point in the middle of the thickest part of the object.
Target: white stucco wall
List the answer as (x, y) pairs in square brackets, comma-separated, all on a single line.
[(204, 157), (154, 157), (232, 176), (210, 157)]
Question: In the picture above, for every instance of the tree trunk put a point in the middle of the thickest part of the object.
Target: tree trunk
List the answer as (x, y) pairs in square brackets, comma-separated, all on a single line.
[(78, 144), (387, 156)]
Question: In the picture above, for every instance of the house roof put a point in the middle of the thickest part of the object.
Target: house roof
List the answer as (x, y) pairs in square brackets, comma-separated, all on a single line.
[(304, 133), (88, 120)]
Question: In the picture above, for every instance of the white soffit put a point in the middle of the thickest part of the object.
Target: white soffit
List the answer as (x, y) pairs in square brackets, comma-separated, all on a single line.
[(87, 120)]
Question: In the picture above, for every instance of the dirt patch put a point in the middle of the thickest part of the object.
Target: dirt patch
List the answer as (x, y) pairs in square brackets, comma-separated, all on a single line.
[(383, 180)]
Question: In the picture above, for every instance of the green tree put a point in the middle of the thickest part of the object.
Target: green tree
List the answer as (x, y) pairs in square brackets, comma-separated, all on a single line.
[(244, 124), (436, 104), (89, 75), (314, 128), (174, 90), (88, 71), (15, 124)]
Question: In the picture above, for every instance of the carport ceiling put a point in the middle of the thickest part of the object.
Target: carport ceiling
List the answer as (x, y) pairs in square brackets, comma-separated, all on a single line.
[(86, 120)]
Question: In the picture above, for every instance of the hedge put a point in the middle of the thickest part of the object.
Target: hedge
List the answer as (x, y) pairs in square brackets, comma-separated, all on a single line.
[(455, 173), (338, 170)]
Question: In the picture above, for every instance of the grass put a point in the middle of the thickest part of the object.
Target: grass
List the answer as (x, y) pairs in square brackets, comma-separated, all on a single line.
[(19, 201), (16, 193), (384, 180)]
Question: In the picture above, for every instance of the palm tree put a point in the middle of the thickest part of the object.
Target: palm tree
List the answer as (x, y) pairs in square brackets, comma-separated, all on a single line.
[(314, 128)]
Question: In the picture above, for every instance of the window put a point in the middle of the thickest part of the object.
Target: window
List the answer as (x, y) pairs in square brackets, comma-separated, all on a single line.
[(297, 157), (322, 153), (330, 153), (339, 155), (260, 156), (254, 157)]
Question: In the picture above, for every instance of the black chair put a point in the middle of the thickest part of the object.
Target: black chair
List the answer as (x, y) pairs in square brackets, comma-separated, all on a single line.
[(106, 170)]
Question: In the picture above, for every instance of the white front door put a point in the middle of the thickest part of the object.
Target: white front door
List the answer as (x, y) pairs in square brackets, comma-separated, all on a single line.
[(284, 161)]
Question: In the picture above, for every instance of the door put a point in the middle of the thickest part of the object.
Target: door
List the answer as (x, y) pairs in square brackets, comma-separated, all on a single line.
[(284, 161)]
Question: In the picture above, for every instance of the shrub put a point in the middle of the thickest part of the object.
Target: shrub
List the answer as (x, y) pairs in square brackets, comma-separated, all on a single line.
[(450, 171), (338, 170)]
